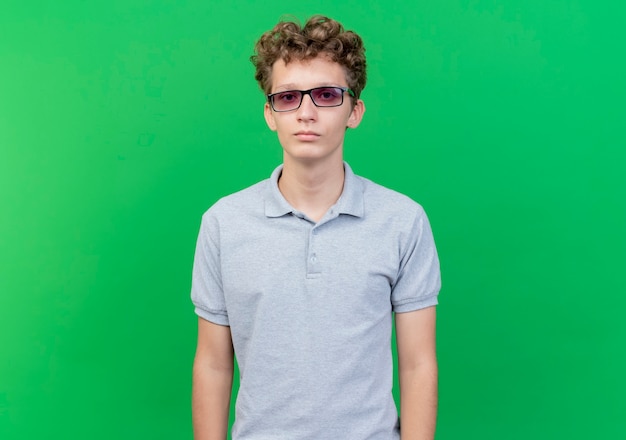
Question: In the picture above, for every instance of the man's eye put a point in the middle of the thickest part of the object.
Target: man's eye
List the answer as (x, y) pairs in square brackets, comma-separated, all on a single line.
[(287, 97), (327, 94)]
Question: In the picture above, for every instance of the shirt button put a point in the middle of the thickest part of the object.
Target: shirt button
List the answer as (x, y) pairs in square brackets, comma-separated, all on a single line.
[(313, 259)]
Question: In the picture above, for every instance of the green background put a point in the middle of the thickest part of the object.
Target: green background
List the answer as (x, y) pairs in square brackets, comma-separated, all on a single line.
[(122, 121)]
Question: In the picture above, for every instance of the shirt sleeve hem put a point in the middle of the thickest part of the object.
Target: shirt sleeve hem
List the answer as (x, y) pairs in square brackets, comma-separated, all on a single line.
[(215, 317), (417, 304)]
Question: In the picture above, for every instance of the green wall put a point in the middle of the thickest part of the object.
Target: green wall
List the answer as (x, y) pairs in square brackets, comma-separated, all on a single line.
[(122, 121)]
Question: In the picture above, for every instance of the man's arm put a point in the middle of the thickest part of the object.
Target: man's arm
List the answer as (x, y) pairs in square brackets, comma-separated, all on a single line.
[(212, 381), (417, 368)]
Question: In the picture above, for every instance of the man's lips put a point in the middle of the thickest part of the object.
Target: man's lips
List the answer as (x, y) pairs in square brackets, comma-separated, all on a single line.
[(307, 135)]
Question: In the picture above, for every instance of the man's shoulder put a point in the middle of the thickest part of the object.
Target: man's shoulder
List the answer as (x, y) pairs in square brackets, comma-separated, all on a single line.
[(387, 201), (245, 201)]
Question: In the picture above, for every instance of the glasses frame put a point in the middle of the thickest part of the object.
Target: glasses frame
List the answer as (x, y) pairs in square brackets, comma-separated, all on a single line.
[(270, 97)]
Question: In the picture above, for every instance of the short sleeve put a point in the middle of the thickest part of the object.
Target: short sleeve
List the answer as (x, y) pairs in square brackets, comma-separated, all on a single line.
[(419, 280), (207, 294)]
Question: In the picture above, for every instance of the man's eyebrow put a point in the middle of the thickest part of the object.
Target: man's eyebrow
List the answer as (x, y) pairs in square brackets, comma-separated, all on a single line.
[(288, 87), (284, 87)]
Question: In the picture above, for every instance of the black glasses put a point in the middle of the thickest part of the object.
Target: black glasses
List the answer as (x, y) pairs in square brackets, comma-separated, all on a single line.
[(321, 97)]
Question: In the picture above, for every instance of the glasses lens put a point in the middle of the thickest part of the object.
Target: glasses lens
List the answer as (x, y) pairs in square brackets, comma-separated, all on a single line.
[(286, 100), (327, 96)]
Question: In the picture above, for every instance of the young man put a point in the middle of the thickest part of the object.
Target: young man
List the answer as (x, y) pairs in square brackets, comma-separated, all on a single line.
[(301, 274)]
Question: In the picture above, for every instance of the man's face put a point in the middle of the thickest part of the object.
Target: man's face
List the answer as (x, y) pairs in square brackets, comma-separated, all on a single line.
[(310, 133)]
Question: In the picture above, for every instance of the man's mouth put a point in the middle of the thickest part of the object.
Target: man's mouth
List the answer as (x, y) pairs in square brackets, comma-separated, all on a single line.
[(305, 135)]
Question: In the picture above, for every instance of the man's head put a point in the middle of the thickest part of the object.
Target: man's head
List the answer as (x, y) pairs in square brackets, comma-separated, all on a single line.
[(313, 76), (319, 37)]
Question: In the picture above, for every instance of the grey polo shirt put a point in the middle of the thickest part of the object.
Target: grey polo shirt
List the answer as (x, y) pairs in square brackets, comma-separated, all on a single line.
[(310, 305)]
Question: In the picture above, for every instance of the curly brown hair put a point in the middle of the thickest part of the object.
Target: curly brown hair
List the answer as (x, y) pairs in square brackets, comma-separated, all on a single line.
[(319, 36)]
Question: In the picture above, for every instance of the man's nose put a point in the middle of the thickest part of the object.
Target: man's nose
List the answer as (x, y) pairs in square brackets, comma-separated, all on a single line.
[(307, 109)]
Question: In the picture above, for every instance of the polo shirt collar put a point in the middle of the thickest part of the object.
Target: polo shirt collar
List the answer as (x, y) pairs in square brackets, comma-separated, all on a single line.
[(350, 202)]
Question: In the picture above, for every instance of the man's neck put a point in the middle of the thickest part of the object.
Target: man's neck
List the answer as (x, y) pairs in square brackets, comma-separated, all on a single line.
[(312, 188)]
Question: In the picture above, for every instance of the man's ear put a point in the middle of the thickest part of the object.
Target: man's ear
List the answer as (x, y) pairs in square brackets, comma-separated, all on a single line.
[(356, 115), (269, 116)]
